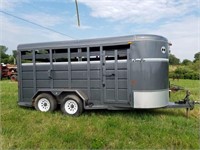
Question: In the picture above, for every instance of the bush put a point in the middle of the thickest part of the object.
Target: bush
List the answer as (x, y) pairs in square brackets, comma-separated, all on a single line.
[(172, 74), (185, 73)]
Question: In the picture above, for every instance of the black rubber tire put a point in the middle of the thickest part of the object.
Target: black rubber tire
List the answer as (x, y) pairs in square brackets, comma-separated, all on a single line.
[(77, 100), (50, 98), (13, 78)]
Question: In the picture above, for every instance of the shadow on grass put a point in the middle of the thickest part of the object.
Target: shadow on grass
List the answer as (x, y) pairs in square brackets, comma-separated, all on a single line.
[(27, 108), (133, 112)]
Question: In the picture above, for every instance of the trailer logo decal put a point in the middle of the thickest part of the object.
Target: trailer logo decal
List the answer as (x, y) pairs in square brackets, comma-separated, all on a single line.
[(163, 49)]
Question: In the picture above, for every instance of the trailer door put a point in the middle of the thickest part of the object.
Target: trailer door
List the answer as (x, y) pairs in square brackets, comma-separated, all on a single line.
[(115, 77)]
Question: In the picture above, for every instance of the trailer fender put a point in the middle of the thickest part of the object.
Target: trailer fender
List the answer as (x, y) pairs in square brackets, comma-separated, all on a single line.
[(58, 92)]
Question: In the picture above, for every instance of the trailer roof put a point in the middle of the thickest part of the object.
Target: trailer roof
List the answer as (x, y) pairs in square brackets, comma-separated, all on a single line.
[(90, 42)]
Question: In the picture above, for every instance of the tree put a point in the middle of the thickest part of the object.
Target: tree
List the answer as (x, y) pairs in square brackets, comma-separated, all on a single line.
[(186, 62), (5, 58), (3, 49), (196, 56), (3, 55), (10, 59), (15, 56), (173, 60), (195, 66)]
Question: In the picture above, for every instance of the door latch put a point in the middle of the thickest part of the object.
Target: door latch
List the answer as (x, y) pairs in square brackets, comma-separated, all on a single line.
[(50, 73)]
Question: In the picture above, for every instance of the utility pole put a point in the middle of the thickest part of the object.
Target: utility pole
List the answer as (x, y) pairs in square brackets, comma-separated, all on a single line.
[(77, 13)]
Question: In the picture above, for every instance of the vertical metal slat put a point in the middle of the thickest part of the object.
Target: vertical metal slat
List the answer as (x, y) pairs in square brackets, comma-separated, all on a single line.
[(116, 76), (69, 68), (34, 72), (104, 76), (51, 67), (19, 66), (101, 73), (128, 75), (88, 72)]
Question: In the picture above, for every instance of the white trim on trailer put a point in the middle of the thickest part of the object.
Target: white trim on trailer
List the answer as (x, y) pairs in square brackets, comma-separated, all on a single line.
[(73, 62), (151, 59), (107, 61)]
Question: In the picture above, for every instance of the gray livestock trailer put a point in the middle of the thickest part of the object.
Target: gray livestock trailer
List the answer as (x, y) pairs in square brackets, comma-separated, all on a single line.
[(129, 72)]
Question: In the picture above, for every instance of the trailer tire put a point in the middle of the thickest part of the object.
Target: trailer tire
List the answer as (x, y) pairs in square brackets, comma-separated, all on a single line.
[(13, 78), (45, 103), (72, 105)]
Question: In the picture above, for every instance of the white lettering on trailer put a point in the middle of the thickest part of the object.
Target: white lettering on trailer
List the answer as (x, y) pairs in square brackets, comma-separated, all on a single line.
[(151, 59)]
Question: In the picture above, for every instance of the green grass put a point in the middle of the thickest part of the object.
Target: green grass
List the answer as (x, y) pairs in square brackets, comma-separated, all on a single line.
[(26, 128)]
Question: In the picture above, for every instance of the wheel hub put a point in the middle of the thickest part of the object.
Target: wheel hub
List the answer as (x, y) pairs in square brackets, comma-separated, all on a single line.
[(71, 107), (44, 104)]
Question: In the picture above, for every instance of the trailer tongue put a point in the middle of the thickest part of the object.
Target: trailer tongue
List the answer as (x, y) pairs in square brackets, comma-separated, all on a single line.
[(185, 103)]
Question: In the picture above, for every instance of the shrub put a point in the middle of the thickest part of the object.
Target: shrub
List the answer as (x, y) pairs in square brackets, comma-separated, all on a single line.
[(184, 72)]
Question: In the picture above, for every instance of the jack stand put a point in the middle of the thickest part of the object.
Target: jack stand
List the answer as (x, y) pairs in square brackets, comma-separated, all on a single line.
[(185, 103), (187, 112)]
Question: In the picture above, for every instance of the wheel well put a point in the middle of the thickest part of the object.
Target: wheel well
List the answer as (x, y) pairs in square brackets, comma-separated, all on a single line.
[(64, 94), (40, 92)]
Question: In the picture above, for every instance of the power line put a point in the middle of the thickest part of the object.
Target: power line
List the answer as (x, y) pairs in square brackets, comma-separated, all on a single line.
[(41, 10), (52, 30)]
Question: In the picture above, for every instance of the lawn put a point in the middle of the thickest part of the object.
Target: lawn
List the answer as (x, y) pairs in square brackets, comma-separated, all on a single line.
[(26, 128)]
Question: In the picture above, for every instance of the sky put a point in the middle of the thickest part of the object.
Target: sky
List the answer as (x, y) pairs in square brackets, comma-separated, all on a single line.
[(177, 20)]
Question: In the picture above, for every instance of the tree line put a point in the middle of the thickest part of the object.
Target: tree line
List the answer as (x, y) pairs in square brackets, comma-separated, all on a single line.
[(173, 60), (5, 58), (186, 69)]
